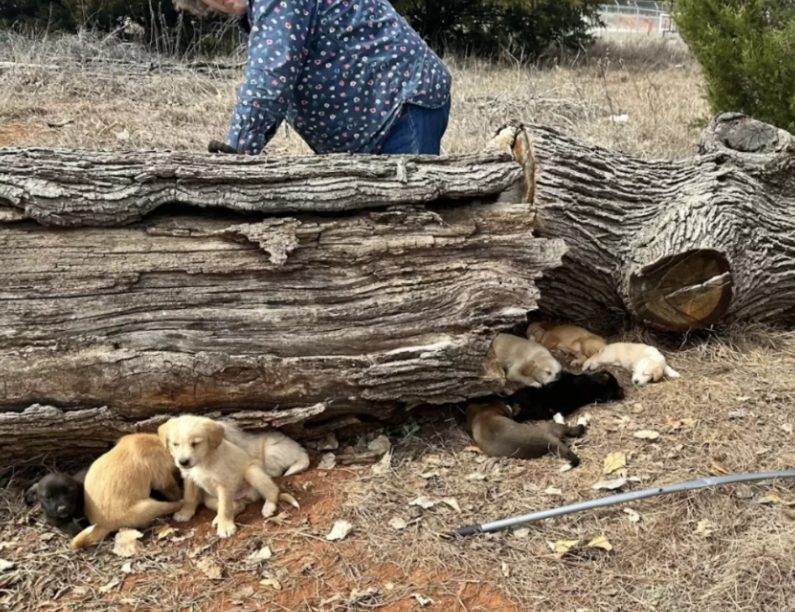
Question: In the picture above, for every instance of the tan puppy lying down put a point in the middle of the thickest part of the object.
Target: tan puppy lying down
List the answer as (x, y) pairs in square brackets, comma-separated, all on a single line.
[(280, 455), (216, 466), (498, 435), (646, 363), (571, 339), (118, 485), (525, 361)]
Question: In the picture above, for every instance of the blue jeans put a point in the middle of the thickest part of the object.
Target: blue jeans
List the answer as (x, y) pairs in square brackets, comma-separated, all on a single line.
[(418, 130)]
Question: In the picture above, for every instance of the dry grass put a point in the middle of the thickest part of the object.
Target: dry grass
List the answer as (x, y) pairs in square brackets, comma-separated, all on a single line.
[(184, 111), (736, 388)]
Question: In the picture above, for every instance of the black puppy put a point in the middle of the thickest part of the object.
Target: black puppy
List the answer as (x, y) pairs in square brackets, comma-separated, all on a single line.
[(61, 498), (564, 395)]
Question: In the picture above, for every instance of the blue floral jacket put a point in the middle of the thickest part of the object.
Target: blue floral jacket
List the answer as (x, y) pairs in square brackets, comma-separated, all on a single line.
[(339, 71)]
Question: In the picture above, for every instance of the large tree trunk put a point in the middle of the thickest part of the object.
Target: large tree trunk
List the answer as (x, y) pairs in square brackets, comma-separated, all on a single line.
[(677, 245), (352, 306)]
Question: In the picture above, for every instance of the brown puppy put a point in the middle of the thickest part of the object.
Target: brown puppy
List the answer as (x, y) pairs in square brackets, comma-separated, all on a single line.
[(498, 435), (212, 464), (571, 339), (118, 484)]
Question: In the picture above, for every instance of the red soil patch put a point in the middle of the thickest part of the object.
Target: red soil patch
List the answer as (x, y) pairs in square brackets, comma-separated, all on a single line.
[(14, 134)]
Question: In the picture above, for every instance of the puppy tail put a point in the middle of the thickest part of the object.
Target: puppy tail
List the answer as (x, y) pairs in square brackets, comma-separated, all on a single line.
[(671, 373), (286, 497), (93, 534), (299, 466)]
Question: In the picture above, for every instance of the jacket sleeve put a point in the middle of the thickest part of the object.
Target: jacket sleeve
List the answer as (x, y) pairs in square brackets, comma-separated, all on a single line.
[(276, 47)]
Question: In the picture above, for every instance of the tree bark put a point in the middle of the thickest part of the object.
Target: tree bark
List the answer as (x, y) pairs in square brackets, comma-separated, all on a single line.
[(168, 309), (677, 245)]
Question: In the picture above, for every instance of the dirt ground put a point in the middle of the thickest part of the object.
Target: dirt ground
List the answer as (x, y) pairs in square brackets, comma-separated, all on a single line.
[(733, 410)]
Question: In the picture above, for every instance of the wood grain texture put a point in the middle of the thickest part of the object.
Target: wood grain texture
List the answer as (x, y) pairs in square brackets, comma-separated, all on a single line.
[(121, 301), (625, 219), (94, 188)]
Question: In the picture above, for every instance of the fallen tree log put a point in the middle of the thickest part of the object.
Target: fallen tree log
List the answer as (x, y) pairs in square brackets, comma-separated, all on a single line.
[(677, 245), (135, 286)]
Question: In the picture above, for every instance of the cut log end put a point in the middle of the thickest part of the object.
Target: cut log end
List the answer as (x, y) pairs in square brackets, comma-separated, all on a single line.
[(682, 292)]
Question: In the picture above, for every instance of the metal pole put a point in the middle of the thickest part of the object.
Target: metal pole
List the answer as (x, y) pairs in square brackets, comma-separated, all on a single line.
[(709, 481)]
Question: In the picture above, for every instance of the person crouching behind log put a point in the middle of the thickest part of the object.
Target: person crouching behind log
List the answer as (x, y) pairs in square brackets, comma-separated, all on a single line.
[(348, 77)]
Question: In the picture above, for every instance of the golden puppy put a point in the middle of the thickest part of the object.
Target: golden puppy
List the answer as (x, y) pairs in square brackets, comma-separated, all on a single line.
[(646, 363), (498, 435), (278, 454), (525, 361), (216, 466), (118, 484), (571, 339)]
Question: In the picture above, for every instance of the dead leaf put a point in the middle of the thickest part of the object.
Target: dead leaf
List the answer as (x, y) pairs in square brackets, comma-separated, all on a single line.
[(787, 427), (46, 536), (553, 491), (452, 502), (423, 502), (716, 469), (677, 424), (339, 531), (610, 485), (123, 136), (430, 474), (380, 445), (6, 565), (521, 533), (637, 408), (475, 476), (647, 434), (473, 449), (327, 462), (127, 568), (107, 588), (397, 523), (742, 491), (600, 542), (263, 554), (210, 568), (389, 586), (614, 462), (705, 528), (505, 569), (773, 498), (423, 601), (561, 547), (738, 414), (126, 543), (383, 465), (165, 531), (632, 514), (269, 580)]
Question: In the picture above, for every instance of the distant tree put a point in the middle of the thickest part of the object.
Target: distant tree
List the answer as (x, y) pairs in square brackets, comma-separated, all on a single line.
[(487, 27), (747, 51)]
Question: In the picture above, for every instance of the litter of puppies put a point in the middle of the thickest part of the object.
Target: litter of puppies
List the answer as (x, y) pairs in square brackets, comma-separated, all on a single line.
[(225, 469)]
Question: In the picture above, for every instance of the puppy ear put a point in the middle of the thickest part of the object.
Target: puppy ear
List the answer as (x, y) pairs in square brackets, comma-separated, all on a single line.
[(215, 433), (162, 432), (32, 494)]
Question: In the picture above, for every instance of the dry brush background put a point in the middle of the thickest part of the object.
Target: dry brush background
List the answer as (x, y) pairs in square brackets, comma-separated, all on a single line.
[(733, 411)]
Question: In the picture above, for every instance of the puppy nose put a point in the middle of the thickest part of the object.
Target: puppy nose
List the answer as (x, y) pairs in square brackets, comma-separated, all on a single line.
[(184, 462)]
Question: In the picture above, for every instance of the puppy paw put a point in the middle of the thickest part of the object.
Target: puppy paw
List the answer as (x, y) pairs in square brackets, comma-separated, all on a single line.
[(226, 529), (184, 515), (268, 509)]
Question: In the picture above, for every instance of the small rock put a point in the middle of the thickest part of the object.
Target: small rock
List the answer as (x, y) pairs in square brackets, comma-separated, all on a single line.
[(397, 523), (339, 531), (327, 462), (380, 445), (6, 565), (328, 443)]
